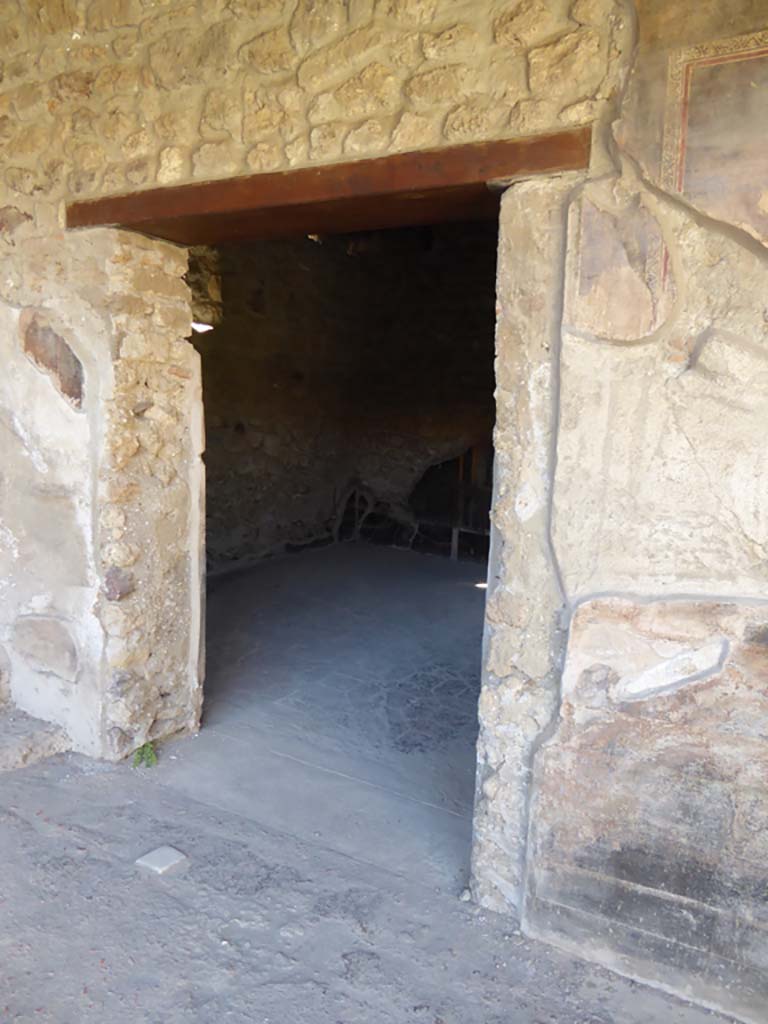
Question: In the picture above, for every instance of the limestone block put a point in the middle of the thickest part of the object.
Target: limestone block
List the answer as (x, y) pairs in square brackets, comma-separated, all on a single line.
[(373, 90), (649, 839), (297, 152), (172, 166), (178, 127), (569, 69), (326, 140), (367, 138), (264, 115), (528, 23), (477, 118), (315, 22), (116, 123), (139, 171), (269, 52), (265, 156), (169, 60), (333, 61), (406, 51), (46, 644), (457, 42), (222, 112), (438, 86), (32, 140), (408, 12), (415, 131)]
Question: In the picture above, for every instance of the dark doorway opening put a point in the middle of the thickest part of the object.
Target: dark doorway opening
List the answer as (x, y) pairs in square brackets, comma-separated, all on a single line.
[(348, 386)]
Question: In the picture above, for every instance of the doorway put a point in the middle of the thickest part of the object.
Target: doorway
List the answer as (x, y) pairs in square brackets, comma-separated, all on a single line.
[(348, 389)]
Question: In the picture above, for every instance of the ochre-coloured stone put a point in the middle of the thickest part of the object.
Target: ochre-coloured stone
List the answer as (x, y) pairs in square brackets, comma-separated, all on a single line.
[(529, 22), (570, 68), (268, 53), (439, 86)]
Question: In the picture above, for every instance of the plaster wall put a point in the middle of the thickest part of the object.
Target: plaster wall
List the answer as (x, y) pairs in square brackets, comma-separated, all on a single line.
[(622, 806), (623, 714)]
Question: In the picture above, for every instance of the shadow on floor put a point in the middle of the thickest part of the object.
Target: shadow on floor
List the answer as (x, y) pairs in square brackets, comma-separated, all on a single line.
[(341, 704)]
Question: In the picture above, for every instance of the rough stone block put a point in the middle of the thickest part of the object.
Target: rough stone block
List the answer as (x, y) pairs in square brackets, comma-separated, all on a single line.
[(569, 69), (527, 23), (269, 52)]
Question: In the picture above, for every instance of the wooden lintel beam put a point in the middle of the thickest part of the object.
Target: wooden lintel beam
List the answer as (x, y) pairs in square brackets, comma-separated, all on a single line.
[(184, 212)]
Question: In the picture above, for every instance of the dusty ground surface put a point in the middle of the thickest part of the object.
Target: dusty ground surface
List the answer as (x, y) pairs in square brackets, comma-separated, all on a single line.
[(325, 812)]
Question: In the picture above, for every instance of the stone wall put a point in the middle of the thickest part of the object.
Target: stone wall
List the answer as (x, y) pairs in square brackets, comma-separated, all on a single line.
[(114, 95), (117, 95), (98, 582), (621, 798), (623, 723), (350, 363)]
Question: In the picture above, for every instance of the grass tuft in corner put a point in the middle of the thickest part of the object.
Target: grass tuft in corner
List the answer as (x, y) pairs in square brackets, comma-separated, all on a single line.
[(145, 756)]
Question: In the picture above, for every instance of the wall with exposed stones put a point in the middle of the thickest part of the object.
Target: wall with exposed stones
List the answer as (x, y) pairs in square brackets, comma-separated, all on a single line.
[(113, 95), (624, 723), (99, 473), (347, 364), (621, 803)]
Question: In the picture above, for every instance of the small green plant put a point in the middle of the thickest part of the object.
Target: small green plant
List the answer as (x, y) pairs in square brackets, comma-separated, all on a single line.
[(145, 756)]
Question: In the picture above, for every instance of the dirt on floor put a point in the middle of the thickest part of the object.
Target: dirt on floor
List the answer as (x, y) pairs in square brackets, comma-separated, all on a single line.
[(261, 927)]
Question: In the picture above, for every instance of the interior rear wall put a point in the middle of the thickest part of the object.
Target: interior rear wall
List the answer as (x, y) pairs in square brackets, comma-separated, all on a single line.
[(341, 363)]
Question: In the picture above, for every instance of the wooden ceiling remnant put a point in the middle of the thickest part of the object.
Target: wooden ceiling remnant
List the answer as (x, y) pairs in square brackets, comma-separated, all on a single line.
[(433, 186)]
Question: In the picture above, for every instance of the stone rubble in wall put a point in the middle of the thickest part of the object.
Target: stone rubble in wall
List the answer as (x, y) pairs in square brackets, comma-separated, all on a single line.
[(123, 98), (146, 558)]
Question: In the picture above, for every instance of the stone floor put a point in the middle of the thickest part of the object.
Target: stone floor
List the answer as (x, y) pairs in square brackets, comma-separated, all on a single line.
[(325, 811), (342, 703)]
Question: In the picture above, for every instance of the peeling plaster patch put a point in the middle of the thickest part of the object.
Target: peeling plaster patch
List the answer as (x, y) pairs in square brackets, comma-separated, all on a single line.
[(47, 645), (51, 353), (669, 676)]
